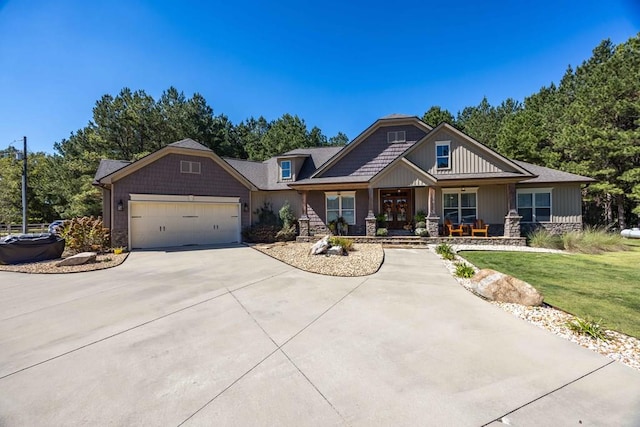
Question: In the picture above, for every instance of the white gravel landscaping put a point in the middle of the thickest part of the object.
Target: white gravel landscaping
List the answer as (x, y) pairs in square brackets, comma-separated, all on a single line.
[(620, 347)]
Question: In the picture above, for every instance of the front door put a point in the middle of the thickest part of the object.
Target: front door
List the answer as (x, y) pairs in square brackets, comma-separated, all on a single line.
[(396, 207)]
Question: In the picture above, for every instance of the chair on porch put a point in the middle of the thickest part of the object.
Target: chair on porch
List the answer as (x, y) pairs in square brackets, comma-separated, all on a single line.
[(480, 228), (450, 229)]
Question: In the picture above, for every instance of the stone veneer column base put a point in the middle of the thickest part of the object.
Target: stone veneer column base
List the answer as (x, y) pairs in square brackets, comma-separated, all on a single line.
[(371, 225), (119, 238), (303, 222), (512, 225), (432, 226)]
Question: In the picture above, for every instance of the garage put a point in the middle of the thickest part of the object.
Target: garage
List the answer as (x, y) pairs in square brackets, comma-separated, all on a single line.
[(157, 221)]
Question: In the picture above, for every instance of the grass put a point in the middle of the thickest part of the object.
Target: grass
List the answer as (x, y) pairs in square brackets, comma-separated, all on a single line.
[(604, 286)]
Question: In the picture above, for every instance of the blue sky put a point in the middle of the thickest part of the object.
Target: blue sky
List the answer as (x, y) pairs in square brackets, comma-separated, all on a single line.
[(338, 65)]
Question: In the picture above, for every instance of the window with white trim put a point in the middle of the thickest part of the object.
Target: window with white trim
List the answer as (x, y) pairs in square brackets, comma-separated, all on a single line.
[(534, 204), (189, 167), (285, 169), (460, 205), (396, 136), (443, 155), (341, 204)]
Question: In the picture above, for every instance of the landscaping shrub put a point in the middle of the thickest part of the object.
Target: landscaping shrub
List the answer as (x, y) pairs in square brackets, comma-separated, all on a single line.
[(591, 328), (593, 241), (347, 244), (445, 251), (85, 234), (286, 215), (589, 241), (260, 233), (421, 217), (421, 224), (422, 232), (464, 270), (286, 233), (382, 232), (541, 238), (381, 221)]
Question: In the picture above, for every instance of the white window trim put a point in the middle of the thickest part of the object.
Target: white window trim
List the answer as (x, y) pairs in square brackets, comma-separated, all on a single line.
[(533, 202), (290, 177), (448, 145), (187, 166), (396, 136), (340, 194), (459, 190)]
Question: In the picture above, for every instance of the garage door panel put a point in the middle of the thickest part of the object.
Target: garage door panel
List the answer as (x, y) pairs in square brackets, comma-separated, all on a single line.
[(163, 224)]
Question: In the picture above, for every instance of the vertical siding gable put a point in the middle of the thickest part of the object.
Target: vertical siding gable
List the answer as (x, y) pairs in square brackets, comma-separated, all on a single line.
[(466, 157), (371, 155)]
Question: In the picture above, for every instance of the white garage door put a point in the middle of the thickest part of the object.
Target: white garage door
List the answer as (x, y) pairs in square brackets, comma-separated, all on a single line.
[(157, 224)]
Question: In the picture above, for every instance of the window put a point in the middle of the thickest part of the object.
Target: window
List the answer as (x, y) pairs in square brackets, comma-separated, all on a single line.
[(342, 204), (285, 169), (189, 167), (397, 136), (460, 205), (534, 205), (443, 155)]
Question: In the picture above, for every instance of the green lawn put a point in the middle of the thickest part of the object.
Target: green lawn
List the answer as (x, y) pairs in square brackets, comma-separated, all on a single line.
[(603, 286)]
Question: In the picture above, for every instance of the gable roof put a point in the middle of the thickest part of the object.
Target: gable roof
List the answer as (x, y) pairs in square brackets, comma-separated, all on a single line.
[(107, 167), (185, 146), (392, 119)]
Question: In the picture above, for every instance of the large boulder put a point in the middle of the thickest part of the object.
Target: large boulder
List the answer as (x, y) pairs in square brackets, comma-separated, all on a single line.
[(320, 246), (336, 250), (497, 286), (78, 259)]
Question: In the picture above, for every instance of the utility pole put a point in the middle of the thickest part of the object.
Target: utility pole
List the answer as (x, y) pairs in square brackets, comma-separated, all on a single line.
[(24, 187)]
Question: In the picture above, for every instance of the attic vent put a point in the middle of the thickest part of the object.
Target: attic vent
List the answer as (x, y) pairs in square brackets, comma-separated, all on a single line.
[(397, 136), (189, 167)]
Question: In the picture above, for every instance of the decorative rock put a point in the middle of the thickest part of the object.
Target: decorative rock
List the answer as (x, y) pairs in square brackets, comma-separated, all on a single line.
[(320, 246), (497, 286), (78, 259), (335, 250)]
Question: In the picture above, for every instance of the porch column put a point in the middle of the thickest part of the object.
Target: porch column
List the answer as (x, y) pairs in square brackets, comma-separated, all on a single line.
[(512, 220), (303, 221), (432, 218), (370, 220)]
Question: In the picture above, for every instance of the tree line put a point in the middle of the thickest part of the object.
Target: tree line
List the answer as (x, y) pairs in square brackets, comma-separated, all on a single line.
[(589, 124)]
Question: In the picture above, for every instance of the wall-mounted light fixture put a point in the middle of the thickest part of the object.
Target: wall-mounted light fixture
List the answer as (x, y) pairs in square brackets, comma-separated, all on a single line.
[(245, 207), (463, 189), (120, 205)]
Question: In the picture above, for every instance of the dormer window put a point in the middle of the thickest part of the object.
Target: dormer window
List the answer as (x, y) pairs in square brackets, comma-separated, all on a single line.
[(397, 136), (443, 155), (285, 169)]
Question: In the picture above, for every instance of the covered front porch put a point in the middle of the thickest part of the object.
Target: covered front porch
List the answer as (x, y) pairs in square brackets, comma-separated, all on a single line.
[(401, 209)]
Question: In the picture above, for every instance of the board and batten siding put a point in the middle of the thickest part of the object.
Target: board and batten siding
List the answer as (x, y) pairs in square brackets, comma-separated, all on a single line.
[(276, 199), (401, 176), (465, 157), (421, 200), (566, 201)]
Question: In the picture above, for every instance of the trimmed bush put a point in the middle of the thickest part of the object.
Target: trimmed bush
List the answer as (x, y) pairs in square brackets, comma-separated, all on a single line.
[(382, 232), (421, 216), (421, 224), (260, 233), (422, 232)]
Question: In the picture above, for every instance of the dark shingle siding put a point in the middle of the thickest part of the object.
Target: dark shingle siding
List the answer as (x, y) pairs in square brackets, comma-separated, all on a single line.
[(371, 155)]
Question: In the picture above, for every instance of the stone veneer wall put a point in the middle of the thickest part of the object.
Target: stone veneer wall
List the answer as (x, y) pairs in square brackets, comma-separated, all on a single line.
[(415, 240), (552, 227)]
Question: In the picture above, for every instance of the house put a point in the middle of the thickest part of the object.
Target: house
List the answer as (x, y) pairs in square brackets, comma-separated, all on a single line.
[(185, 194)]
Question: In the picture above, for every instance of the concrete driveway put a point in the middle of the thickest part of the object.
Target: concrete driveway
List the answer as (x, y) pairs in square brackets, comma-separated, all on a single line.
[(229, 336)]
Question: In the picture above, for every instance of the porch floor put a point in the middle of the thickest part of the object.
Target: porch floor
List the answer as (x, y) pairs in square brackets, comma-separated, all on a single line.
[(416, 240)]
